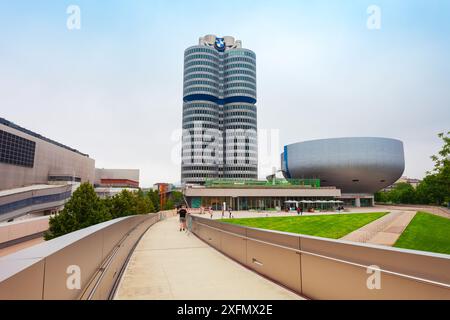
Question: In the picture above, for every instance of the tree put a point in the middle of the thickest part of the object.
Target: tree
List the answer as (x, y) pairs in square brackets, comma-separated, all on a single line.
[(431, 190), (382, 197), (435, 187), (402, 193), (177, 198), (85, 208), (169, 205), (442, 159), (128, 203), (143, 203), (122, 204), (154, 197), (82, 210), (442, 168)]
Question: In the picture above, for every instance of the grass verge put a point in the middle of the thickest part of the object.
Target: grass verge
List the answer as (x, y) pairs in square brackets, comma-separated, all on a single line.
[(426, 232), (332, 226)]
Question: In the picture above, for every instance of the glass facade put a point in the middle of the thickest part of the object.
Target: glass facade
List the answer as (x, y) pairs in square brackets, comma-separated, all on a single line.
[(16, 150), (257, 203), (64, 178)]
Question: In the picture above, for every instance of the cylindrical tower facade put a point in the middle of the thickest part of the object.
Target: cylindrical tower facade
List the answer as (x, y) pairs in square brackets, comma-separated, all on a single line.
[(219, 112), (240, 117)]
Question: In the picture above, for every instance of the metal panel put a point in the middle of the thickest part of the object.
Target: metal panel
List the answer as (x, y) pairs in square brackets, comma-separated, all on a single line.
[(25, 285), (355, 165), (212, 237), (40, 272), (235, 247), (322, 268), (414, 263), (271, 257), (327, 279), (85, 253), (279, 238)]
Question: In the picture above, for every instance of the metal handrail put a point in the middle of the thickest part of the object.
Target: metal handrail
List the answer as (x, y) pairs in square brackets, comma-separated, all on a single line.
[(298, 251)]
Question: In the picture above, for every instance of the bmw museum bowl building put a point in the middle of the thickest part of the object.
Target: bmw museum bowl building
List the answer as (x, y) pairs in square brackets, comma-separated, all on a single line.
[(358, 166)]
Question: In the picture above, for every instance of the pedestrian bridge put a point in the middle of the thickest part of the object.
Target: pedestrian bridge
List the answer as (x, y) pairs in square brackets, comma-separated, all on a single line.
[(169, 264), (146, 257)]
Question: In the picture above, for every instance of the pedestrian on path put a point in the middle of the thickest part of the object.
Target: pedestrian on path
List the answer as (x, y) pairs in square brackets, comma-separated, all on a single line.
[(183, 213), (230, 214)]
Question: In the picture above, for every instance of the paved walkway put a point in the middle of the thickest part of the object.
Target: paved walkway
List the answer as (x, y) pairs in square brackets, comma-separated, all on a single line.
[(438, 211), (261, 214), (169, 264), (383, 231)]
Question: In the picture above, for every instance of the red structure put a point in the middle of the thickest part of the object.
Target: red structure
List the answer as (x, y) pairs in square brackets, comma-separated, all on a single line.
[(163, 191), (122, 183)]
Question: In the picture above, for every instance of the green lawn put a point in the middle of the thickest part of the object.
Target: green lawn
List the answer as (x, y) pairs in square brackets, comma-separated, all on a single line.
[(332, 226), (426, 232)]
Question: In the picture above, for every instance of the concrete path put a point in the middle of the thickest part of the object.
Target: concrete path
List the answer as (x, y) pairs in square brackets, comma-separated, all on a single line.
[(383, 231), (169, 264), (263, 214), (438, 211)]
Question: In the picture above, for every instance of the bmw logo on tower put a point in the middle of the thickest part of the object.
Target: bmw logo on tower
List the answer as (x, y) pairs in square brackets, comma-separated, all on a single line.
[(220, 44)]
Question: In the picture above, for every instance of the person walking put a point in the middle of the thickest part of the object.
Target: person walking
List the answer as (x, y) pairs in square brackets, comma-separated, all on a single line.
[(183, 213), (301, 211), (230, 214)]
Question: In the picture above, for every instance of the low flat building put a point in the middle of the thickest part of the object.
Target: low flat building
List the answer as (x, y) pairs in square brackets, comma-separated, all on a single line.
[(117, 178), (108, 192), (109, 182), (357, 199), (44, 198), (257, 197)]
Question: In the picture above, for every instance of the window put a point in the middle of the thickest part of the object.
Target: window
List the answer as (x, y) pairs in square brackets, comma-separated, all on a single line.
[(64, 178), (16, 150)]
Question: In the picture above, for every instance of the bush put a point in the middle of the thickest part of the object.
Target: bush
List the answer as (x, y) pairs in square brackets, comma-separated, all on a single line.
[(434, 188), (85, 208), (128, 203), (153, 195), (82, 210)]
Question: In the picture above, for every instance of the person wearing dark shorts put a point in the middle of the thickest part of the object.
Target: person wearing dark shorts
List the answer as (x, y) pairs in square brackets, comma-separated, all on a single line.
[(182, 212)]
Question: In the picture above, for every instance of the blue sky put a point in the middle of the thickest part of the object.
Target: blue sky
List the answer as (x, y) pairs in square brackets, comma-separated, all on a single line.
[(113, 89)]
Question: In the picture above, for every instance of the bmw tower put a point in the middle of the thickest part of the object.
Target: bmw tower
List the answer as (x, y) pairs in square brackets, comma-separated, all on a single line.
[(219, 113)]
